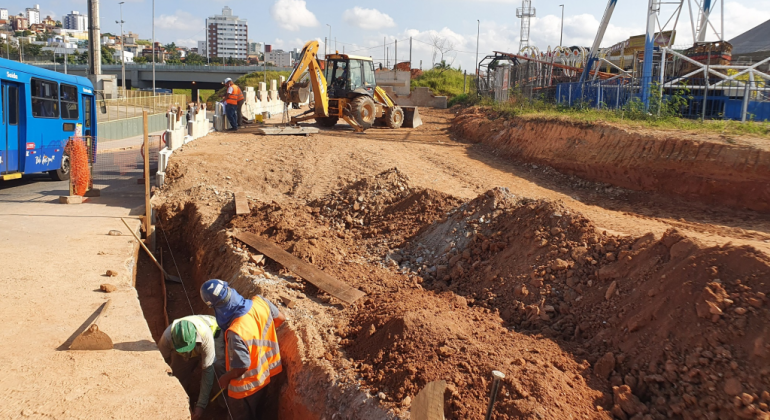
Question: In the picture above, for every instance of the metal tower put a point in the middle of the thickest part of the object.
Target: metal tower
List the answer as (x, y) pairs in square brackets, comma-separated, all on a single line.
[(525, 12)]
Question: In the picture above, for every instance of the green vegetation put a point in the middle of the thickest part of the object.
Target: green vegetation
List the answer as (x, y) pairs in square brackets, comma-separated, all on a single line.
[(251, 79), (204, 93), (445, 82), (632, 115)]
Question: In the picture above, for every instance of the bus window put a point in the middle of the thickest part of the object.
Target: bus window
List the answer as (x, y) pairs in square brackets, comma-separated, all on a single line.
[(13, 105), (45, 99), (69, 102), (87, 110)]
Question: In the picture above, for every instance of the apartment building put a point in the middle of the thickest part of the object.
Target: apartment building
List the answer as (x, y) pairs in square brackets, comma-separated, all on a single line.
[(227, 36)]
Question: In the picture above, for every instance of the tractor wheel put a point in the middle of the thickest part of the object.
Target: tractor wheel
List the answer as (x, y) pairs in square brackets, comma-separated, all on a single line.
[(327, 121), (63, 173), (394, 117), (363, 111)]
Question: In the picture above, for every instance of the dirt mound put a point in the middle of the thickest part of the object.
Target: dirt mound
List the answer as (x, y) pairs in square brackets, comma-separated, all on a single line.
[(678, 323), (383, 207), (703, 168)]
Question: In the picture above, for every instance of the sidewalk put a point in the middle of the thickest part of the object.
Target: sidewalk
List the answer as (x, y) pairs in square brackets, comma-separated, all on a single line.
[(54, 257)]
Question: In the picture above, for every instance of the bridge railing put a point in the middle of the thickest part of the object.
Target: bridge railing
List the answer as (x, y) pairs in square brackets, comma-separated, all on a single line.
[(132, 105), (166, 67)]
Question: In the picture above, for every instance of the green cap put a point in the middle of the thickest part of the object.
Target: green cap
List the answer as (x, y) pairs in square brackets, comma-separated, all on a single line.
[(183, 336)]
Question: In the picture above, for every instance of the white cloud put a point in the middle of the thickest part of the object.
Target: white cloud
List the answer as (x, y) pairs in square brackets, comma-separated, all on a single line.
[(293, 14), (186, 42), (180, 21), (371, 19)]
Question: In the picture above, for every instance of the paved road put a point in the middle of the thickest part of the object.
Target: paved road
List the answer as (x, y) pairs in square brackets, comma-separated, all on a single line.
[(53, 259)]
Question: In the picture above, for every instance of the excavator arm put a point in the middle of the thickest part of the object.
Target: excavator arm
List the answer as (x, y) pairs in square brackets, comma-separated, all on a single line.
[(295, 90)]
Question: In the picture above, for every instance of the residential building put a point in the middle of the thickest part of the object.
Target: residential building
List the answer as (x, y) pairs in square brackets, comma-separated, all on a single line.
[(75, 21), (202, 48), (33, 14), (279, 58), (20, 23), (255, 48), (3, 14), (49, 21), (227, 36), (129, 56), (268, 48)]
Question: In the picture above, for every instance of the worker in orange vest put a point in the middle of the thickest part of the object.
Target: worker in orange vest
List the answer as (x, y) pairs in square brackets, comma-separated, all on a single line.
[(252, 356), (233, 96)]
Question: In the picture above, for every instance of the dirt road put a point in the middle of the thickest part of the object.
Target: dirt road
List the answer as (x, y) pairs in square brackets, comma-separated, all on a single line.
[(299, 169)]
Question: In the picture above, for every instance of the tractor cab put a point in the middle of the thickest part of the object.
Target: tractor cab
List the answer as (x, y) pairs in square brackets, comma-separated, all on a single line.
[(349, 76)]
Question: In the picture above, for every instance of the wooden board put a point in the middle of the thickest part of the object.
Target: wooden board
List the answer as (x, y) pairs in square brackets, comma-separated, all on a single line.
[(286, 131), (307, 271), (429, 403), (241, 204)]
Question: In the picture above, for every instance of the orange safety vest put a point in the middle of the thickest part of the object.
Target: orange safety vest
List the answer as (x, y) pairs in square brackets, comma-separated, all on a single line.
[(235, 97), (257, 330)]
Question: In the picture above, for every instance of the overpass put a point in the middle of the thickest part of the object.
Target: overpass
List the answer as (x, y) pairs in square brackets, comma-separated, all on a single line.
[(168, 76)]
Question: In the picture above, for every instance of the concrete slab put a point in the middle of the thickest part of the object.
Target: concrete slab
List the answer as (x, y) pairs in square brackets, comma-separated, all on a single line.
[(53, 260)]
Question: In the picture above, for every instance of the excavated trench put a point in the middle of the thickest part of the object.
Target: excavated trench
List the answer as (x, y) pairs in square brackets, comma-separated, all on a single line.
[(584, 323)]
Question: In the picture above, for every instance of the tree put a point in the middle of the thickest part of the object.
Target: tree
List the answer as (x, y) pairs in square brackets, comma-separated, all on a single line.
[(195, 59), (58, 24), (83, 58), (140, 60), (441, 46), (32, 50), (108, 55)]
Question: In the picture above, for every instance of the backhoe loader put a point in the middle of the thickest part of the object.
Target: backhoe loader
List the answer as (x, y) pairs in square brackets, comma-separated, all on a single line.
[(346, 89)]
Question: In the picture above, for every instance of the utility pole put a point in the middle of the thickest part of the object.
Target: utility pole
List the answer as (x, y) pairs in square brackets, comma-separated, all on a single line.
[(94, 40), (330, 36), (478, 32), (395, 59), (410, 52), (153, 48), (561, 35), (122, 51)]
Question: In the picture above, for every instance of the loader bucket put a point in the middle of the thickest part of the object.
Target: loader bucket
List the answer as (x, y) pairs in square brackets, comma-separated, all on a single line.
[(411, 117)]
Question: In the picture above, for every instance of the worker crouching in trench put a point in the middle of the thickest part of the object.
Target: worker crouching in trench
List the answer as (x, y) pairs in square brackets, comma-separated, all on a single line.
[(253, 371)]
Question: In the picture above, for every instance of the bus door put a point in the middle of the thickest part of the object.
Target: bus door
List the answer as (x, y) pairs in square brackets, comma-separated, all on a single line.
[(88, 115), (9, 152)]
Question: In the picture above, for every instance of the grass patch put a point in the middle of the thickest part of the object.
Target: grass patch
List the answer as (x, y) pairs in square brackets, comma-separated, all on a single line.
[(251, 79), (629, 116), (204, 93), (445, 82)]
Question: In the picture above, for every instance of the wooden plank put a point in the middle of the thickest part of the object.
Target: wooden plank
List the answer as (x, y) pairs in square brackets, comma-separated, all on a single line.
[(241, 204), (307, 271), (429, 403), (286, 131)]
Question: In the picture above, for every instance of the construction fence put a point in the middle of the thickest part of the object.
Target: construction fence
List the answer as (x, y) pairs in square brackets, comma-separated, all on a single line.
[(123, 117), (718, 97)]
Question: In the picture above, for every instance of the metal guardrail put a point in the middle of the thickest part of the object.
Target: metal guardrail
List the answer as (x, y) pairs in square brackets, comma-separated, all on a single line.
[(168, 67)]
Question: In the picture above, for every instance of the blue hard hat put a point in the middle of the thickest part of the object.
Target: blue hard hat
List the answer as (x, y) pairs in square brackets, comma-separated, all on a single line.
[(215, 293)]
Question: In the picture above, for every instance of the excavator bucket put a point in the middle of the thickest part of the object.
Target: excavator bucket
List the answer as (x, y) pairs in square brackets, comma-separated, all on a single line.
[(411, 117)]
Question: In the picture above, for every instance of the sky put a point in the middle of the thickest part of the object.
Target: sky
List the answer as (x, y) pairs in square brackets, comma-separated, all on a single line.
[(363, 27)]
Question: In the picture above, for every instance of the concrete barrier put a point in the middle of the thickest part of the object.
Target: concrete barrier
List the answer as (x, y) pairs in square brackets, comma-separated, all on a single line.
[(256, 102), (400, 81), (180, 131)]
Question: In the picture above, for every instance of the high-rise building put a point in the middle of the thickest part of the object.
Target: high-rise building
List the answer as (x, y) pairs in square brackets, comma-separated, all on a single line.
[(75, 21), (227, 36), (279, 58), (255, 48), (202, 48), (3, 14), (33, 15)]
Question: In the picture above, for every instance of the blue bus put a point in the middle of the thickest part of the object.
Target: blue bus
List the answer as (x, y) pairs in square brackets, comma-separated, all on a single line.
[(41, 109)]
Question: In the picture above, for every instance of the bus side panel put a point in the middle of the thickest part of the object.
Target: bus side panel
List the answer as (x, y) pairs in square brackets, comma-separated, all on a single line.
[(3, 147), (45, 140)]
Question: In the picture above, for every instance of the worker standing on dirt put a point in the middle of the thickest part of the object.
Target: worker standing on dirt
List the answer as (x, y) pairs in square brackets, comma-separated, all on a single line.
[(193, 336), (233, 95), (251, 346)]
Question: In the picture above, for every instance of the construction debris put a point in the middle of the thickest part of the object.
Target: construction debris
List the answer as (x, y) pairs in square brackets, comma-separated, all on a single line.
[(92, 338), (308, 272)]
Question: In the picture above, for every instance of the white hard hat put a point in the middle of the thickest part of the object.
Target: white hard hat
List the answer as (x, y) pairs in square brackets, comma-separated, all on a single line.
[(228, 80)]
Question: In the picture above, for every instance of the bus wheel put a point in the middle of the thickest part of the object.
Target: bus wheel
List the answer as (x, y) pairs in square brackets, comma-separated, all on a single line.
[(63, 173)]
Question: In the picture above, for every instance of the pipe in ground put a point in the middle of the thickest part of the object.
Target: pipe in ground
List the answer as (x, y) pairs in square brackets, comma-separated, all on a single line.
[(497, 376)]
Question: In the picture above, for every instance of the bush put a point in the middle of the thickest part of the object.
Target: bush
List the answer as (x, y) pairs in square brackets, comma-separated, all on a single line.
[(445, 82)]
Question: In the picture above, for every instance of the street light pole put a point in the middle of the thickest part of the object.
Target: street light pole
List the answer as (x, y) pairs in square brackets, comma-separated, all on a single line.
[(561, 35), (478, 32), (122, 50), (153, 47)]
